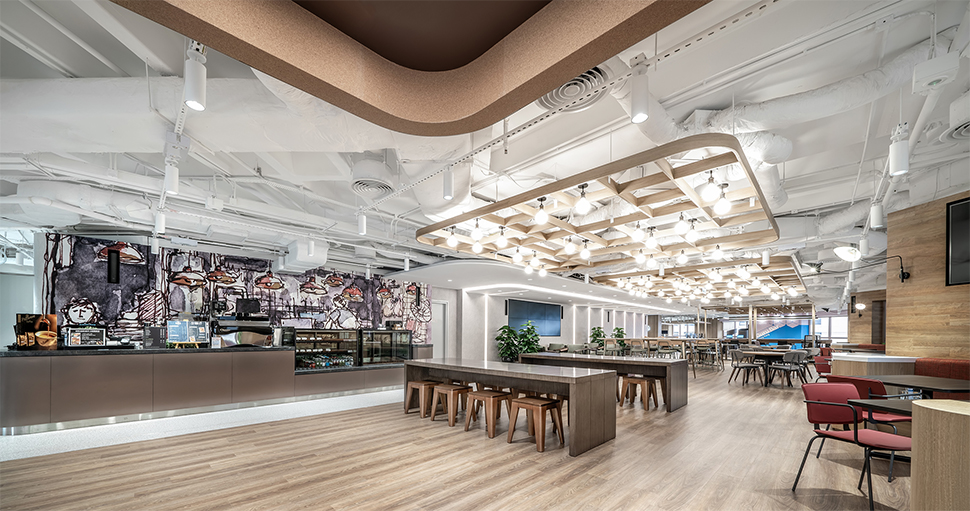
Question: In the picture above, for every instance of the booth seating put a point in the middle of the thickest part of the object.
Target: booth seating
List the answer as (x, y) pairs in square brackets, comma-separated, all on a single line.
[(958, 369)]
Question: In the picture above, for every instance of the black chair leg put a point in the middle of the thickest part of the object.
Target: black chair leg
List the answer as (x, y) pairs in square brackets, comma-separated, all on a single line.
[(892, 458), (869, 474), (865, 466), (800, 467), (819, 453)]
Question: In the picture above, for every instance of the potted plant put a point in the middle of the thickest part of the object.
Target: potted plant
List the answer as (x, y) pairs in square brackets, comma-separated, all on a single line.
[(596, 335), (619, 334), (508, 343), (529, 339)]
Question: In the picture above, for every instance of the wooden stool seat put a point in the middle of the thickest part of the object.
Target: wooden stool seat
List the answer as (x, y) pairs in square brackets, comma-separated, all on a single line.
[(493, 407), (424, 395), (452, 393), (648, 390), (536, 408)]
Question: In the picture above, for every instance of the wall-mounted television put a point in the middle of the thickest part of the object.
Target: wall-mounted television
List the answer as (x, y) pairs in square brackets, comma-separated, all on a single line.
[(545, 316), (958, 242)]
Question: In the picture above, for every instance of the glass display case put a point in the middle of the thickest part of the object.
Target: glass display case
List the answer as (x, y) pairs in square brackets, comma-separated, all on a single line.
[(326, 349), (385, 346)]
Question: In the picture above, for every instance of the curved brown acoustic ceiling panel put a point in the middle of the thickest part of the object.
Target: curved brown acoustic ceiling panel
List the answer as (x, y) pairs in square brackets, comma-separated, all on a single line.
[(397, 83)]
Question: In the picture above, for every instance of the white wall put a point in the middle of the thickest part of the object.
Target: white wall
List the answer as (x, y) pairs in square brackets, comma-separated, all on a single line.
[(16, 297), (453, 322), (581, 332)]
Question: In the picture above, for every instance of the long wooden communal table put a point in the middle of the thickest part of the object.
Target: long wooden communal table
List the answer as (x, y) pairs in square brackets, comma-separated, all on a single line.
[(592, 400), (671, 372)]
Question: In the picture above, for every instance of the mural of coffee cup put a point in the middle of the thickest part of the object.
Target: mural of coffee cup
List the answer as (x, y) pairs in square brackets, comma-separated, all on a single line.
[(46, 340)]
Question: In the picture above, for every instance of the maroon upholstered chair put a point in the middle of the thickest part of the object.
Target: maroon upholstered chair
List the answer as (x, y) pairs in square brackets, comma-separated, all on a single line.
[(828, 404), (823, 366), (826, 352)]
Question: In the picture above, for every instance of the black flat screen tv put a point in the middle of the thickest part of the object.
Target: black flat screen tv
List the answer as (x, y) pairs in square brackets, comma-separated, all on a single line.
[(546, 317), (958, 242)]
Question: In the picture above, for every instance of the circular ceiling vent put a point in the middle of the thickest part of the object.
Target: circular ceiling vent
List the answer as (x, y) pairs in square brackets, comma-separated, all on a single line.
[(958, 133), (371, 179), (582, 90)]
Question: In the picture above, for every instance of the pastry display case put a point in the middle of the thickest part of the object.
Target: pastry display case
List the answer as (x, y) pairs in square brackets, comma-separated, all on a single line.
[(385, 346), (326, 349)]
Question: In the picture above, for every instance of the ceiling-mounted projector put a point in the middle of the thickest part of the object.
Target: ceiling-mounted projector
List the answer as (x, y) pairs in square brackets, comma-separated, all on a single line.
[(935, 73)]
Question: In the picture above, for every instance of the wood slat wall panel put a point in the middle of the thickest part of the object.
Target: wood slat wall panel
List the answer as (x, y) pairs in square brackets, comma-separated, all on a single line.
[(924, 317), (861, 329)]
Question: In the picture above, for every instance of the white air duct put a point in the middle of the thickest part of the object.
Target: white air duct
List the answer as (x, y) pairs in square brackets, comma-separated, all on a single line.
[(298, 258)]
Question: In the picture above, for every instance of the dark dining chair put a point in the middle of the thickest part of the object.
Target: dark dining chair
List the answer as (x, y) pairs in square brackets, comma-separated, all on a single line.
[(740, 363), (791, 362), (827, 403)]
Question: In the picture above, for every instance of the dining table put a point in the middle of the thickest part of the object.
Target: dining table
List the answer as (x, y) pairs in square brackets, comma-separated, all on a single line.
[(927, 385), (768, 356)]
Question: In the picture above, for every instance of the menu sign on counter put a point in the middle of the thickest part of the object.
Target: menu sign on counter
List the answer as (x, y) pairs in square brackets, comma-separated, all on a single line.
[(188, 332), (84, 337)]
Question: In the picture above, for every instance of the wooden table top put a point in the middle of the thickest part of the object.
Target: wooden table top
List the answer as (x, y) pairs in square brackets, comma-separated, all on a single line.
[(523, 371), (608, 358), (934, 383)]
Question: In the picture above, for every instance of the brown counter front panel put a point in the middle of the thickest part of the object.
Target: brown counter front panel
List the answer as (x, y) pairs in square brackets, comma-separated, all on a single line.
[(325, 383), (85, 387), (25, 391), (384, 377), (262, 375), (189, 380)]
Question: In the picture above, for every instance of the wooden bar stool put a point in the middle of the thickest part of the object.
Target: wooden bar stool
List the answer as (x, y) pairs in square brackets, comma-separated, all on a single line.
[(648, 389), (535, 411), (424, 388), (453, 395), (493, 407)]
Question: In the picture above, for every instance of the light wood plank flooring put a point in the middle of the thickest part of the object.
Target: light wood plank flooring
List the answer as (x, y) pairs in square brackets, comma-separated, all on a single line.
[(731, 447)]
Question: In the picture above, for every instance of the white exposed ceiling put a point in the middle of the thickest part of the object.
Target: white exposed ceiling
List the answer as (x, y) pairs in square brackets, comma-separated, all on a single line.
[(83, 121)]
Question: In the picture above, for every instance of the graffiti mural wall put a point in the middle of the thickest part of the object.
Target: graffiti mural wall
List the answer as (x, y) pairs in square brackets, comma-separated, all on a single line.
[(155, 288)]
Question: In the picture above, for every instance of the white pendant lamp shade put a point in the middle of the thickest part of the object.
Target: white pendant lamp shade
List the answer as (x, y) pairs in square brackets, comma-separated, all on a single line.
[(718, 254), (640, 95), (899, 157), (452, 239), (171, 179), (849, 253), (877, 216), (792, 291), (570, 247), (716, 275), (477, 247), (765, 289), (682, 226), (743, 273), (731, 284), (448, 188), (361, 224), (651, 263), (195, 81), (159, 223), (517, 256), (583, 205), (774, 296), (651, 240)]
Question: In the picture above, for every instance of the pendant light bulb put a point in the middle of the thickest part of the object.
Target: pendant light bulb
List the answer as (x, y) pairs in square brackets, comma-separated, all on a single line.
[(452, 239), (774, 296), (542, 271), (765, 289), (502, 241), (682, 258), (651, 263), (682, 226), (716, 275), (651, 239), (718, 254), (722, 206), (709, 191), (541, 216), (583, 205), (792, 291), (640, 258), (535, 260), (477, 233), (731, 284), (477, 247), (517, 256), (570, 247), (692, 235), (585, 252), (528, 270), (637, 233)]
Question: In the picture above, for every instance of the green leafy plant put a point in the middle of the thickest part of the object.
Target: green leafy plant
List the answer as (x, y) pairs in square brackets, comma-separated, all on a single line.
[(508, 343), (529, 339), (596, 335), (619, 334)]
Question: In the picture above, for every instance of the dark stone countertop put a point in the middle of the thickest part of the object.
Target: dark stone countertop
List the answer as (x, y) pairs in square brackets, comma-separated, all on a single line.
[(130, 351), (351, 368)]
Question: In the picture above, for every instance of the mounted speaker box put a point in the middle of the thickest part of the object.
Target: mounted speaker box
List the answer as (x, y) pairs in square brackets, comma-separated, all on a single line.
[(114, 266)]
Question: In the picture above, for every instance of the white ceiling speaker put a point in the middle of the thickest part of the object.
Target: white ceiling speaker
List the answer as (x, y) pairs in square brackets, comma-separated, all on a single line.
[(371, 179), (959, 130)]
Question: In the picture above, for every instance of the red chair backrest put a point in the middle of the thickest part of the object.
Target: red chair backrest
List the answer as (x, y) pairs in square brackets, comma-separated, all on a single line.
[(823, 365), (829, 393), (865, 386), (826, 352)]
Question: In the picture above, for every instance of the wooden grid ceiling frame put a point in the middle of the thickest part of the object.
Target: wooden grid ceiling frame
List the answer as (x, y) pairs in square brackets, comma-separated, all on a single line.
[(548, 241), (764, 310)]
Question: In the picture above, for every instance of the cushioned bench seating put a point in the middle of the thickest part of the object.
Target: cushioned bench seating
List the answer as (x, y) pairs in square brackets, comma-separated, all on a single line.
[(944, 368)]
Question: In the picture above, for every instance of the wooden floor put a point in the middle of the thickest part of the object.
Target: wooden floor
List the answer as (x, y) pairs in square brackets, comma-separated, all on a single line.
[(731, 447)]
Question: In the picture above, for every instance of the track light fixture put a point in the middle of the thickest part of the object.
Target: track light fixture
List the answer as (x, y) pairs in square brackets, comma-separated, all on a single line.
[(583, 205), (722, 206), (171, 179), (362, 224), (159, 223), (541, 216), (155, 249), (584, 253), (195, 74), (640, 93), (765, 257), (407, 263), (452, 239), (311, 248), (477, 233), (864, 246), (502, 241), (448, 187)]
